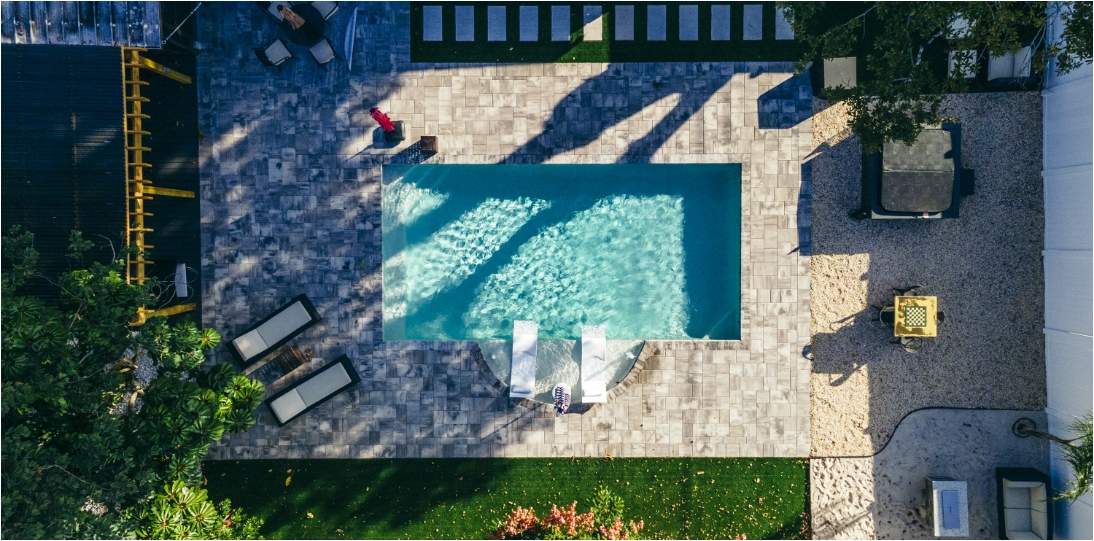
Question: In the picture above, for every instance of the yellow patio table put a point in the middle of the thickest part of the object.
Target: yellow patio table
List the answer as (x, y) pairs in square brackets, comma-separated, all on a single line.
[(915, 316)]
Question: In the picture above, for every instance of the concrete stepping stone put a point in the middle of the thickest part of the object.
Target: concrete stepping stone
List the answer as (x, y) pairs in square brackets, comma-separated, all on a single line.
[(495, 23), (754, 22), (655, 23), (560, 23), (782, 26), (624, 23), (529, 23), (594, 25), (719, 23), (465, 23), (431, 24), (689, 23)]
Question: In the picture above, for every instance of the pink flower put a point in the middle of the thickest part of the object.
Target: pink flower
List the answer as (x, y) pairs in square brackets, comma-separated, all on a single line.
[(568, 518), (518, 521)]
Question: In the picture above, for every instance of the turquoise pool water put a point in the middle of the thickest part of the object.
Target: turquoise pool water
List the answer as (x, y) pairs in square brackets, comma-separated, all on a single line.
[(651, 251)]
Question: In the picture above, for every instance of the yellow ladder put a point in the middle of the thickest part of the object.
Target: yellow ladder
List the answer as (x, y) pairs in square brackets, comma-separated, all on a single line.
[(139, 189)]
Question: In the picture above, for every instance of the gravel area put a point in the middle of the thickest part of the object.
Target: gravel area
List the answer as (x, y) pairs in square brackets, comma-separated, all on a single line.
[(984, 267), (881, 497)]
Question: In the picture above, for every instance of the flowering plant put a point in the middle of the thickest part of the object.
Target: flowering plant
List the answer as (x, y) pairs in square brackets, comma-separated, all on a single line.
[(603, 521)]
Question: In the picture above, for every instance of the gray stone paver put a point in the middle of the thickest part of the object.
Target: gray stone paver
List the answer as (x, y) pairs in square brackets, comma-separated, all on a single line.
[(290, 182)]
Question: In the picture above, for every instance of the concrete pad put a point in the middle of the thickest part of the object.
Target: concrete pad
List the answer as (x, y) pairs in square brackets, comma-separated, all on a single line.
[(782, 26), (719, 23), (624, 23), (529, 23), (881, 497), (655, 23), (431, 24), (594, 24), (560, 23), (753, 22), (465, 23), (495, 23), (689, 23)]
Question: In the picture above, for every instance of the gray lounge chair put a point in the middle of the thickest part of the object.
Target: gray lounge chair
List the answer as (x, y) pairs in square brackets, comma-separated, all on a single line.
[(313, 390), (273, 331)]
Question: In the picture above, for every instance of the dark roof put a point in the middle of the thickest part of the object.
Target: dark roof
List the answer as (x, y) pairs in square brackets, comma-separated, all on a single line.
[(131, 24), (63, 161)]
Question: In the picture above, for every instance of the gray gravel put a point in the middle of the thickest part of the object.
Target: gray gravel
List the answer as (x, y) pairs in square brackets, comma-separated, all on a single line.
[(984, 267)]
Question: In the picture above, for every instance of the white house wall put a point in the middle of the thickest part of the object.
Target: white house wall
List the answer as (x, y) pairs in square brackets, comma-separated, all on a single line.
[(1068, 261)]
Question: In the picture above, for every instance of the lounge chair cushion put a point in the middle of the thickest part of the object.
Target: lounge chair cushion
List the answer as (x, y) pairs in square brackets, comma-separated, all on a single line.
[(288, 405), (323, 385), (284, 323), (250, 344), (522, 379)]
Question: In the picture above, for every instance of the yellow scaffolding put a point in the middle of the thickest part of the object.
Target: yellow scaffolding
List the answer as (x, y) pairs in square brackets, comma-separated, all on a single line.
[(138, 188)]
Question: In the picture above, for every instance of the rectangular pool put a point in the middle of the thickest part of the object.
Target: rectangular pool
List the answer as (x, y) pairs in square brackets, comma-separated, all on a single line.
[(651, 251)]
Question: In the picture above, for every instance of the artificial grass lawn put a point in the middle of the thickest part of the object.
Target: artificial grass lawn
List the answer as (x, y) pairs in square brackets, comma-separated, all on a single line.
[(680, 498)]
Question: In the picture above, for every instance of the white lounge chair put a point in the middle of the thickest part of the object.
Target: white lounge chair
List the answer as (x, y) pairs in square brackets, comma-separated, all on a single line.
[(274, 331), (313, 390), (522, 378), (594, 347)]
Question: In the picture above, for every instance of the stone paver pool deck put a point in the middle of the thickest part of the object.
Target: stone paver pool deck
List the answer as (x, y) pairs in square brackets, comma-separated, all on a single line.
[(290, 188)]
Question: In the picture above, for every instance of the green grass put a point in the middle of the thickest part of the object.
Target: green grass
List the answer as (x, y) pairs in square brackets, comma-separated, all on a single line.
[(681, 498), (577, 50)]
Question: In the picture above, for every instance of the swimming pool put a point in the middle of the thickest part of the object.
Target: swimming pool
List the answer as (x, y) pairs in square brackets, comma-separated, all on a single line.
[(651, 251)]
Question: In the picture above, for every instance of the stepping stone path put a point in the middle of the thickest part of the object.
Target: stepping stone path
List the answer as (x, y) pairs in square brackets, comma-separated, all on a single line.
[(495, 23), (624, 23), (754, 23), (688, 16), (529, 23), (465, 23), (655, 23), (782, 26), (560, 23), (594, 25), (719, 23), (431, 24), (689, 23)]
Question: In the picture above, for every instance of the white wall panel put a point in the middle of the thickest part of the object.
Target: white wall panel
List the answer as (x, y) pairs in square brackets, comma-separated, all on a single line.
[(1069, 222)]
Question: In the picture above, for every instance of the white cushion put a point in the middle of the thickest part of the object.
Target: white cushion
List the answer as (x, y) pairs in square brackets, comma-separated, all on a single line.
[(284, 323), (323, 385), (1015, 498), (277, 53), (288, 405), (250, 344), (1038, 523), (1017, 520)]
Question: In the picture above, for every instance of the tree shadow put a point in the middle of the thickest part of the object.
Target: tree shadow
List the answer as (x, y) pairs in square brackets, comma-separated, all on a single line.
[(608, 99)]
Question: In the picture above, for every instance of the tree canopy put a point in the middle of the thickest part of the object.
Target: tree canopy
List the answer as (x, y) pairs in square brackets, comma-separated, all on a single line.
[(906, 50), (98, 415)]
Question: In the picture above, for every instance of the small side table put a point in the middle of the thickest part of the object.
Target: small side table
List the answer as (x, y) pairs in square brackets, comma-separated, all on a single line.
[(915, 316), (428, 144), (396, 135), (949, 503)]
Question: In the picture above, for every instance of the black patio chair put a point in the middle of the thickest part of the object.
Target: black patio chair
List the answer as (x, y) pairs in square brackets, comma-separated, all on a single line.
[(323, 52), (274, 54), (885, 315)]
